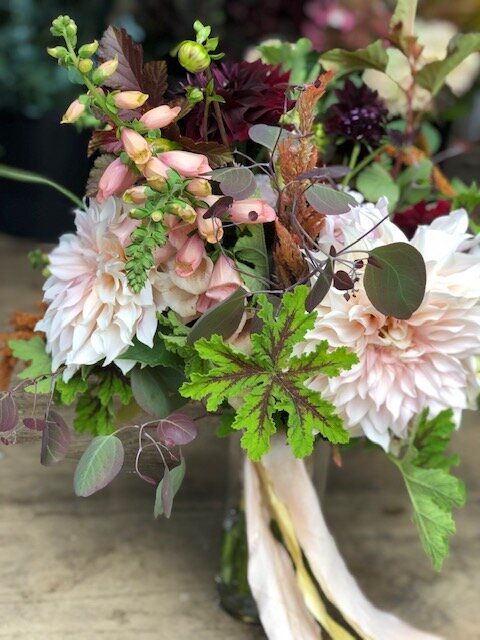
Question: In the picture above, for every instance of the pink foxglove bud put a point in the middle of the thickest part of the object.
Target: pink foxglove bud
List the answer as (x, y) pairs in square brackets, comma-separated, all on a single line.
[(116, 178), (190, 257), (136, 146), (186, 163), (129, 99), (199, 187), (73, 113), (159, 117), (224, 280)]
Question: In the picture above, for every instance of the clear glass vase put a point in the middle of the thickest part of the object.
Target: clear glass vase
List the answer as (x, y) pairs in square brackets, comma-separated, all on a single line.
[(232, 579)]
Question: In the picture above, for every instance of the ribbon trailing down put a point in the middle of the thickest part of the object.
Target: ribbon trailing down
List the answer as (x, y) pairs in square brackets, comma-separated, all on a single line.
[(290, 604)]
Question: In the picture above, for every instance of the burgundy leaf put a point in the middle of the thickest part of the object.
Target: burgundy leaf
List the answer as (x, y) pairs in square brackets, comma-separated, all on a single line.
[(218, 154), (8, 413), (34, 424), (218, 208), (178, 429), (342, 281), (154, 81), (117, 43), (56, 439)]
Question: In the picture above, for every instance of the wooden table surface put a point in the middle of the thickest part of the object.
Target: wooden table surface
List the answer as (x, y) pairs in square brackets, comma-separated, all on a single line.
[(103, 568)]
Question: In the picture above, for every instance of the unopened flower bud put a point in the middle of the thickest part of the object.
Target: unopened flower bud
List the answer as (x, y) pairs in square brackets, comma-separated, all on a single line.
[(85, 66), (73, 113), (194, 94), (157, 182), (129, 99), (104, 71), (156, 216), (63, 24), (182, 210), (59, 53), (135, 195), (87, 50), (199, 187), (193, 56), (136, 146), (159, 117)]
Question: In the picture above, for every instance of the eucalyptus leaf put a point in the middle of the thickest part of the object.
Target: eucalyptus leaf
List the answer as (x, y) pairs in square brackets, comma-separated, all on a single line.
[(8, 413), (432, 76), (155, 389), (237, 182), (176, 430), (222, 319), (321, 287), (375, 182), (99, 465), (329, 201), (395, 281), (267, 135), (56, 438), (168, 488), (372, 57)]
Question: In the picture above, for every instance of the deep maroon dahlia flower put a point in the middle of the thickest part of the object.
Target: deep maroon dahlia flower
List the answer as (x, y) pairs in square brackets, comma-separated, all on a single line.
[(421, 213), (254, 93), (359, 115)]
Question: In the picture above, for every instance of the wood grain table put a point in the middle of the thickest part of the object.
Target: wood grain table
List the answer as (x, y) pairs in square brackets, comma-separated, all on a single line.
[(103, 568)]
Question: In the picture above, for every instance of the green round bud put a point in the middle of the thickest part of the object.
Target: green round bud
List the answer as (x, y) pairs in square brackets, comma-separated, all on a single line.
[(59, 53), (194, 94), (156, 216), (193, 56), (85, 66)]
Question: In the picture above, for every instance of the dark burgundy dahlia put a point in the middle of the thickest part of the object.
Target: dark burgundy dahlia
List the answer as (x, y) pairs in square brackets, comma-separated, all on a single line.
[(421, 213), (254, 93), (359, 115)]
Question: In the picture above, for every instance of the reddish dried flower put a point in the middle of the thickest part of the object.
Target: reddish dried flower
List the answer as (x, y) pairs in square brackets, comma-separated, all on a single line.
[(253, 92), (421, 213), (359, 115)]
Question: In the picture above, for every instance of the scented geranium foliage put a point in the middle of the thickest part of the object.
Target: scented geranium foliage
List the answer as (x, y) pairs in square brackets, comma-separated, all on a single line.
[(270, 382), (405, 365)]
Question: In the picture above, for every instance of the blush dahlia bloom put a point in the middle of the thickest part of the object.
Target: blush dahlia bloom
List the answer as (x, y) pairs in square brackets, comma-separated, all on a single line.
[(404, 365), (92, 314)]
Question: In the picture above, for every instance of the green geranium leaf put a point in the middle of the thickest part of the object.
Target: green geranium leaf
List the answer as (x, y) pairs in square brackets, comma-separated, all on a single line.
[(375, 182), (271, 380), (343, 61), (395, 279), (40, 363), (433, 75), (433, 491)]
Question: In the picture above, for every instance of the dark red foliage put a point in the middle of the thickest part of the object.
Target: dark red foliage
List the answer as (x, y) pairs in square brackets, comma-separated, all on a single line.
[(359, 115), (421, 213), (254, 93)]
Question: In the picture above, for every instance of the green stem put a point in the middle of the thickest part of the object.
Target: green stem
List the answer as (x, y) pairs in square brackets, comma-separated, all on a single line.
[(218, 111), (27, 176), (361, 165)]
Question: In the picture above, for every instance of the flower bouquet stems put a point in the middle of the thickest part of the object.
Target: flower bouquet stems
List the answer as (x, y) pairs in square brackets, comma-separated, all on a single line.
[(276, 243)]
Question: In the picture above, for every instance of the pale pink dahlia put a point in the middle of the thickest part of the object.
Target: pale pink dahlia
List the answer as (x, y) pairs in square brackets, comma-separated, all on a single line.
[(405, 365), (92, 314)]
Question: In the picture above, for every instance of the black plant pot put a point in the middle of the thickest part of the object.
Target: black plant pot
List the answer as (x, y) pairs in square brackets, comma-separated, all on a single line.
[(50, 149)]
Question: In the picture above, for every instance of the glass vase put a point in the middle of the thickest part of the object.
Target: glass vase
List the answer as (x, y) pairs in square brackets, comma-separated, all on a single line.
[(232, 578)]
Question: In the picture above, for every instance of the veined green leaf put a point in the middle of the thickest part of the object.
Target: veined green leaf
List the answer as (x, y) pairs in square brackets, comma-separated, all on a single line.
[(343, 61), (395, 279), (375, 182)]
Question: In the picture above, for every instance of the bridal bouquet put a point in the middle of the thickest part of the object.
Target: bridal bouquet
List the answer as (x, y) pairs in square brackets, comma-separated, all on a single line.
[(274, 240)]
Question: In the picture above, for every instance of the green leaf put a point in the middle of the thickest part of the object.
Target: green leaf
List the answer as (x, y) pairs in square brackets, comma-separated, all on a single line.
[(375, 182), (20, 175), (271, 381), (222, 319), (156, 390), (158, 355), (68, 391), (329, 201), (432, 76), (297, 57), (99, 465), (343, 61), (321, 287), (168, 488), (33, 351), (421, 171), (395, 279), (404, 14), (237, 182), (468, 197), (267, 135), (251, 255), (433, 491)]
